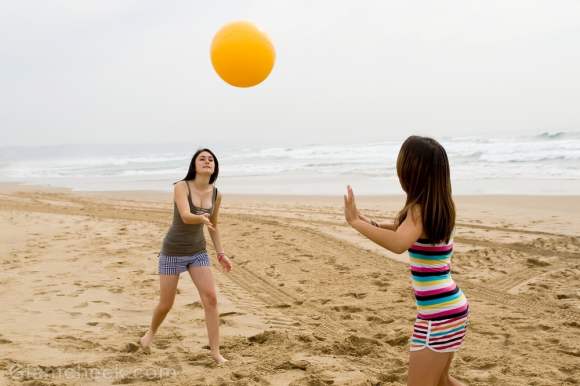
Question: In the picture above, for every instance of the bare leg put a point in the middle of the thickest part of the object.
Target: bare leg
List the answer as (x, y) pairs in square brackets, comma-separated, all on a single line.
[(426, 367), (203, 279), (446, 379), (167, 289)]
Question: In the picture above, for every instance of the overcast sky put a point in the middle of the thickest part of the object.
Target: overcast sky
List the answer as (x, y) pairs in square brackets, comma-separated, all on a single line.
[(137, 71)]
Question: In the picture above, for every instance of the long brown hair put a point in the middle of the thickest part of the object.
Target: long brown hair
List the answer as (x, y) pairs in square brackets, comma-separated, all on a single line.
[(191, 173), (423, 170)]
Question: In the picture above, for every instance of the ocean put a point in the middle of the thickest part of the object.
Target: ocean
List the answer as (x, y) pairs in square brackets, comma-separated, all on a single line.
[(541, 164)]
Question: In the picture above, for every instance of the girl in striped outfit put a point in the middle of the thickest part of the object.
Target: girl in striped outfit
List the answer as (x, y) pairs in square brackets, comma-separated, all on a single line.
[(424, 228)]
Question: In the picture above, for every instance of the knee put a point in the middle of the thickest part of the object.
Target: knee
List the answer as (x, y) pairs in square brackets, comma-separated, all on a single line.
[(209, 300)]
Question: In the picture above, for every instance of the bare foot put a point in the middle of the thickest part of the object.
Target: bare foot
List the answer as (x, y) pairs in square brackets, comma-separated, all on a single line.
[(218, 358), (146, 341)]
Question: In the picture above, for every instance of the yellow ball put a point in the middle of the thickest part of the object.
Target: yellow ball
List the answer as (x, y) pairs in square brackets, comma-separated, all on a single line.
[(241, 54)]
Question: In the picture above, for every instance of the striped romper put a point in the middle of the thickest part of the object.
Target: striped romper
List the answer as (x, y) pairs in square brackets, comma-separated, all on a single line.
[(442, 308)]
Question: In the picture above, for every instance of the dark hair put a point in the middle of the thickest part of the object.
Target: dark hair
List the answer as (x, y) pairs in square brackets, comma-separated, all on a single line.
[(423, 170), (191, 172)]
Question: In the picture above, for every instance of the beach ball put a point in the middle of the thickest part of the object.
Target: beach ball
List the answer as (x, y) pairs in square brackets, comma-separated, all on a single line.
[(242, 54)]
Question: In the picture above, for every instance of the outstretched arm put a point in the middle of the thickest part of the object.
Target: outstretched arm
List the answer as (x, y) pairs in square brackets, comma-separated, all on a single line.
[(388, 225), (397, 241), (383, 224)]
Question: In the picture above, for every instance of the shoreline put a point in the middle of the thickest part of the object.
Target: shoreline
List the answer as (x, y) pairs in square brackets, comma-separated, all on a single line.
[(11, 186)]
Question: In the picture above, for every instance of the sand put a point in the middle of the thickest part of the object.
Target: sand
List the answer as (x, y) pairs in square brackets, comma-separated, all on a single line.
[(309, 301)]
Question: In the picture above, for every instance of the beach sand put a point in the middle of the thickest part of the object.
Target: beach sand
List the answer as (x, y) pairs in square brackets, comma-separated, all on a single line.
[(309, 301)]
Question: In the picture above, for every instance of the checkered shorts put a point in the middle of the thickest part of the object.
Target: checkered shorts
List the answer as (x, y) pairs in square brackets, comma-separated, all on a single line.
[(174, 265)]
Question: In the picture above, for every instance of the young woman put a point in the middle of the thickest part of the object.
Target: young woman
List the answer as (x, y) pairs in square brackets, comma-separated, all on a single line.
[(196, 204), (424, 227)]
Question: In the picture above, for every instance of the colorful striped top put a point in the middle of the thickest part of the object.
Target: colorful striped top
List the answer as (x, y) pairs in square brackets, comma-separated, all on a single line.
[(436, 294)]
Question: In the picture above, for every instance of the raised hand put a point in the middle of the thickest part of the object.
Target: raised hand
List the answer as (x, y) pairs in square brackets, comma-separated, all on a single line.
[(351, 213)]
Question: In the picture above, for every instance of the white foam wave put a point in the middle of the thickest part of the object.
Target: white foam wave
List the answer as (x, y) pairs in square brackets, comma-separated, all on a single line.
[(543, 156)]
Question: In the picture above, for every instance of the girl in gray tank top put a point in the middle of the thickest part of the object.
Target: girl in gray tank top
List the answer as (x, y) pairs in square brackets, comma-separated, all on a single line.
[(196, 203)]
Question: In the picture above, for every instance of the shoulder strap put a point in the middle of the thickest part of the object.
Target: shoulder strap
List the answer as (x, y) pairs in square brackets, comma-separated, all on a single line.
[(214, 196), (189, 198)]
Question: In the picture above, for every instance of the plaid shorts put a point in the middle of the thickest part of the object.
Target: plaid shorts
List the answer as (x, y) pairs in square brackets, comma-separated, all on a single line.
[(175, 265)]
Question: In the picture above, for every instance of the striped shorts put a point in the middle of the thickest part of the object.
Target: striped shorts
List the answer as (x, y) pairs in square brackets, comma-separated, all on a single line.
[(175, 265), (446, 335)]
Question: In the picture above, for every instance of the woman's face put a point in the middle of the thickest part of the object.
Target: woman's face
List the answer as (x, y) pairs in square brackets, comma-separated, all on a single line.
[(204, 163)]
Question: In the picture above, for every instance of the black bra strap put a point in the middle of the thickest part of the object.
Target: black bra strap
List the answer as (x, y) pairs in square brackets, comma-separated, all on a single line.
[(214, 196)]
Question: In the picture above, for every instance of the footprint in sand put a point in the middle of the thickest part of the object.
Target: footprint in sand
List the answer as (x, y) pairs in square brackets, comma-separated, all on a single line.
[(74, 314), (194, 305), (72, 342), (131, 347), (379, 320), (162, 343), (82, 305), (201, 360), (347, 308), (486, 364), (381, 283), (293, 365), (356, 295)]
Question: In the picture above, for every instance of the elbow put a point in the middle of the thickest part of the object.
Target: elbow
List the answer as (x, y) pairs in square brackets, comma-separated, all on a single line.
[(398, 249)]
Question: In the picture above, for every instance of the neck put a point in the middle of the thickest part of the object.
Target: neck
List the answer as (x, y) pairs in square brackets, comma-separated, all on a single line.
[(201, 182)]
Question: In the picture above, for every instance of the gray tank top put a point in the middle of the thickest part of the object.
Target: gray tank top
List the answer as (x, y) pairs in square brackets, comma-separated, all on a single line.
[(186, 239)]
